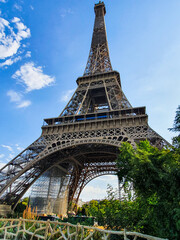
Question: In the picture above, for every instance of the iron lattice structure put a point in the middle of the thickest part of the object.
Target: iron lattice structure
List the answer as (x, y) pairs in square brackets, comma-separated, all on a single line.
[(83, 141)]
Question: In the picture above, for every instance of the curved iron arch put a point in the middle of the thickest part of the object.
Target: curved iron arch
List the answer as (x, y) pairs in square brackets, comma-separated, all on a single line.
[(29, 166)]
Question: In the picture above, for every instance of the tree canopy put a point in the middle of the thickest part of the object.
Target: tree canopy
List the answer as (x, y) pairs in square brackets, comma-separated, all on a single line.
[(176, 128), (155, 175)]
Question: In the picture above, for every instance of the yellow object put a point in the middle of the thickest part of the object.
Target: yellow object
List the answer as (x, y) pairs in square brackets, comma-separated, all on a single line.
[(28, 214)]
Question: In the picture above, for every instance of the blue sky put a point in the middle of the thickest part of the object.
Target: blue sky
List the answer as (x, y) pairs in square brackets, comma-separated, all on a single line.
[(44, 47)]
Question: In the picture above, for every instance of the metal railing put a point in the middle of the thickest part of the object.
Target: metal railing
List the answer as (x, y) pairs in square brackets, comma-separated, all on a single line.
[(35, 229), (124, 113)]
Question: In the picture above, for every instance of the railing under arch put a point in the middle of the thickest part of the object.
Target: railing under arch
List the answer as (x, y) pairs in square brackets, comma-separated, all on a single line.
[(35, 229)]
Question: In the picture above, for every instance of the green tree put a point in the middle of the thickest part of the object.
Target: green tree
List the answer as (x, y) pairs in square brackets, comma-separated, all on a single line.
[(155, 175), (114, 214), (21, 206), (176, 128)]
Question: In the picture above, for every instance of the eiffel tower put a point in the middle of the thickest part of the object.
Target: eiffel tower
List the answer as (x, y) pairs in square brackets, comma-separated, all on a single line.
[(82, 142)]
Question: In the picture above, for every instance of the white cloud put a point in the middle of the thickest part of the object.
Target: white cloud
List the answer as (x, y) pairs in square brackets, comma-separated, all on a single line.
[(93, 192), (19, 148), (28, 54), (3, 1), (8, 147), (67, 95), (11, 156), (10, 61), (14, 96), (32, 77), (18, 99), (9, 152), (2, 155), (10, 40), (23, 31), (31, 7), (24, 104), (18, 7), (108, 178), (65, 12), (97, 188), (2, 165)]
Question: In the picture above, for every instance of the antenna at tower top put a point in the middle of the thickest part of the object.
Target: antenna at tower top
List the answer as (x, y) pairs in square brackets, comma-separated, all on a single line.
[(99, 2), (100, 6)]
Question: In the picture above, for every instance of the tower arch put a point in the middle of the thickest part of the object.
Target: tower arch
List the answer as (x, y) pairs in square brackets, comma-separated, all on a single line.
[(69, 157)]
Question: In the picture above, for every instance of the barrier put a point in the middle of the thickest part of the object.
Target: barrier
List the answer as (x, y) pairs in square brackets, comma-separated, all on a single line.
[(35, 229)]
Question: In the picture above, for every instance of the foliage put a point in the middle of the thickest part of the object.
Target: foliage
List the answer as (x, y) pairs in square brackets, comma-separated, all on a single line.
[(113, 214), (155, 175), (176, 125), (83, 220), (176, 128), (21, 206)]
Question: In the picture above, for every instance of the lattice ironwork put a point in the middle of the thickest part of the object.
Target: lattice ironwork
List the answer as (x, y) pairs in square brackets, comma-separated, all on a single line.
[(53, 186), (102, 93), (99, 60), (83, 141)]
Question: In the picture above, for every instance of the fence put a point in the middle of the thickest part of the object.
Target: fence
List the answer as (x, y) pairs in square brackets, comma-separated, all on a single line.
[(49, 230)]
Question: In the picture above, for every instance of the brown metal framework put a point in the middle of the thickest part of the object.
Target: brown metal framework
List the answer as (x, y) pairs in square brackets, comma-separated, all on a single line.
[(83, 141), (99, 60)]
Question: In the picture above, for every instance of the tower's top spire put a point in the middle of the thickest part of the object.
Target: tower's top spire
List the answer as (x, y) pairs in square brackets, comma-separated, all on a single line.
[(99, 7), (99, 60)]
